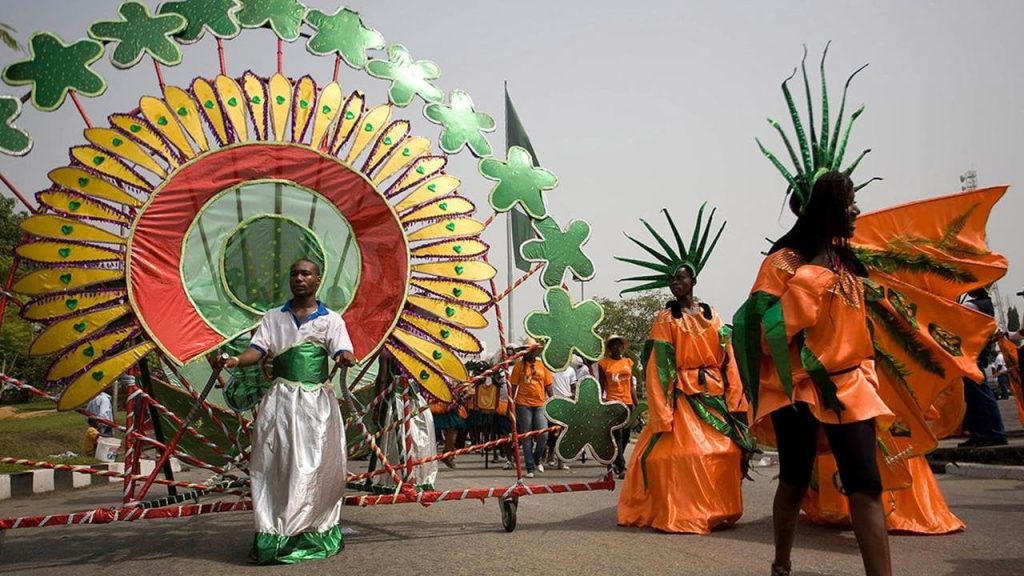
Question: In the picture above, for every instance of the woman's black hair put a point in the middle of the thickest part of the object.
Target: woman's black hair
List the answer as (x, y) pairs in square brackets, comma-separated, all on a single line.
[(823, 222)]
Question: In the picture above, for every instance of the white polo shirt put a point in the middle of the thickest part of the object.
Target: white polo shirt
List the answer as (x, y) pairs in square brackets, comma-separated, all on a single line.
[(280, 330)]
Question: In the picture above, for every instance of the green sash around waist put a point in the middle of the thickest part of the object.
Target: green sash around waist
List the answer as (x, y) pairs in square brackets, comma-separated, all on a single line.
[(304, 363)]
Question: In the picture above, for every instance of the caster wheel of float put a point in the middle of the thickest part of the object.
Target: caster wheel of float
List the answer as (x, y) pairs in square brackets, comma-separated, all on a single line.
[(508, 513)]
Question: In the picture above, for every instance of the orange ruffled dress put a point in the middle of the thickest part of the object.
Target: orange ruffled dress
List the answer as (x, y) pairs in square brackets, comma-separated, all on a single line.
[(684, 473)]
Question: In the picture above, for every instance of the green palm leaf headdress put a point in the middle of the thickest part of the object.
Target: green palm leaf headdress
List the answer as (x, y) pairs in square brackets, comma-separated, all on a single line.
[(669, 259), (818, 153)]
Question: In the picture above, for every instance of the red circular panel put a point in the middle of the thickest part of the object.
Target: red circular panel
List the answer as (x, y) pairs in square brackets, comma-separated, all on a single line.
[(155, 283)]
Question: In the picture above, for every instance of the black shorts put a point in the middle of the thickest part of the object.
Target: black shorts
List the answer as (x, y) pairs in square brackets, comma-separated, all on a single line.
[(853, 445)]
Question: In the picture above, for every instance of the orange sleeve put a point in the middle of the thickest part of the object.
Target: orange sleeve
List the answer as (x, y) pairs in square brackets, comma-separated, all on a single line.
[(802, 300), (735, 400)]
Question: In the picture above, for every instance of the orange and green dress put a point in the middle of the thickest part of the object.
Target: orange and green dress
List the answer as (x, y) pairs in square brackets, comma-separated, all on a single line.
[(684, 474)]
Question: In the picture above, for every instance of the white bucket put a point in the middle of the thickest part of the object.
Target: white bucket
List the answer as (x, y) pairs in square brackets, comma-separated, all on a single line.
[(107, 448)]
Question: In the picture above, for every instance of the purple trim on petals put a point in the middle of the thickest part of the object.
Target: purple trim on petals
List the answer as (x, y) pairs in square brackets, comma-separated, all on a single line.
[(467, 255), (204, 114), (446, 294), (122, 292), (142, 120), (295, 107), (395, 189), (432, 219), (334, 145), (395, 343), (436, 320), (111, 157), (92, 199), (132, 334), (377, 144), (264, 122)]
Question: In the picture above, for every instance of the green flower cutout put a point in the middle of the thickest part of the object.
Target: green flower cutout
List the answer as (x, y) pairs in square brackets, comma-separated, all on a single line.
[(285, 16), (559, 250), (342, 32), (139, 33), (463, 126), (13, 141), (566, 329), (54, 68), (217, 16), (408, 77), (588, 422), (519, 181)]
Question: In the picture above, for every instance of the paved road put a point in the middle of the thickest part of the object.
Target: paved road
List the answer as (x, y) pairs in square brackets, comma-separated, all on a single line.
[(560, 534)]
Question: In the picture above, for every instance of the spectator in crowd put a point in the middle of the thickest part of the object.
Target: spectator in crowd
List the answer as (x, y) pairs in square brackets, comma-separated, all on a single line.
[(102, 408), (1002, 377), (530, 385), (983, 423), (615, 374), (563, 386)]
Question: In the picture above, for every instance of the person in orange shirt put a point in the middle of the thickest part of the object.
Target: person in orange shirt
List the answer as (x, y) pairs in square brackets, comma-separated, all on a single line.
[(530, 383), (686, 467), (615, 374)]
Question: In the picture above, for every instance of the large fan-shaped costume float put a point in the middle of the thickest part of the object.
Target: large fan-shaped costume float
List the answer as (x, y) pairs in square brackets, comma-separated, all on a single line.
[(171, 230), (919, 342)]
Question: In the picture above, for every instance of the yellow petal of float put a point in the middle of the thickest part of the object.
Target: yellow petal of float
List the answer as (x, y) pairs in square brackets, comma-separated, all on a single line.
[(66, 253), (64, 333), (389, 139), (351, 113), (256, 100), (49, 307), (456, 313), (87, 352), (114, 142), (467, 248), (448, 229), (61, 228), (328, 105), (302, 109), (449, 207), (98, 377), (441, 185), (456, 338), (425, 375), (58, 279), (421, 170), (87, 183), (108, 165), (186, 113), (369, 126), (161, 118), (207, 99), (79, 206), (134, 128), (460, 291), (437, 356), (409, 150), (471, 270), (232, 101), (280, 104)]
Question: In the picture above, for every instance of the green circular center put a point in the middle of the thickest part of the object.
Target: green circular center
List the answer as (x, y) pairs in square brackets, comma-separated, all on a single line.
[(258, 256)]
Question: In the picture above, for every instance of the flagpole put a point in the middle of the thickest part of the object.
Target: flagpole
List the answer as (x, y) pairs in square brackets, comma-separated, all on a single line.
[(511, 255)]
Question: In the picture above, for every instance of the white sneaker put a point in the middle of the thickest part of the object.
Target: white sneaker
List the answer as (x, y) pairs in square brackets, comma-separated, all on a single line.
[(529, 474), (540, 468), (508, 465)]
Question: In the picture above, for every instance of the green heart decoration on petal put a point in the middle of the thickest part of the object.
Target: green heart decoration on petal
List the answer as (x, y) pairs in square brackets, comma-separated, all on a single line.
[(83, 182), (208, 104), (432, 187), (134, 128), (350, 115), (13, 141), (457, 248), (566, 328), (326, 109), (303, 104), (459, 269), (64, 252), (139, 33), (98, 375), (217, 16), (424, 375), (408, 78), (232, 101), (559, 251), (89, 351), (97, 160), (457, 292), (80, 327), (117, 142), (588, 422), (342, 33), (55, 68), (65, 279), (279, 99), (71, 303), (256, 100), (162, 120), (449, 311), (285, 16), (437, 355), (388, 141), (450, 226), (519, 182), (445, 333), (463, 125), (74, 205), (66, 229), (443, 206)]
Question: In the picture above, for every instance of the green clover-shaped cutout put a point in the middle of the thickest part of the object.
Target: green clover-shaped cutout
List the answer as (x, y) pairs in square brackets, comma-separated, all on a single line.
[(342, 32), (519, 182), (285, 16), (588, 422), (217, 16), (408, 77), (463, 126), (54, 68), (13, 141), (566, 328), (139, 33), (559, 251)]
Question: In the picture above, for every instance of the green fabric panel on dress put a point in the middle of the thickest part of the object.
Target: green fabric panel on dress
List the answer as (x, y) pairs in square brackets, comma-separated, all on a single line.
[(819, 375), (713, 411), (647, 452), (305, 363), (774, 323), (664, 362), (280, 549), (746, 341)]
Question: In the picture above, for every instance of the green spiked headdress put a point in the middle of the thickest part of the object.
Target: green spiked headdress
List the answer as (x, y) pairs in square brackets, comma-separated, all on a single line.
[(669, 260), (822, 152)]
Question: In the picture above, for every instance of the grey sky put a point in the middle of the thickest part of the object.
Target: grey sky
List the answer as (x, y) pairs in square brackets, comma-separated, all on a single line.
[(642, 105)]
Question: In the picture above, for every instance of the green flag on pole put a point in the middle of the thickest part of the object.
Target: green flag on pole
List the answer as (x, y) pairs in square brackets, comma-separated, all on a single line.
[(519, 222)]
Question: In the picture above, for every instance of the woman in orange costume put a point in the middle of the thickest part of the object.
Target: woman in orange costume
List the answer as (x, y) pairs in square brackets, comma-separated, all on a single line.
[(685, 471), (815, 371), (615, 375)]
